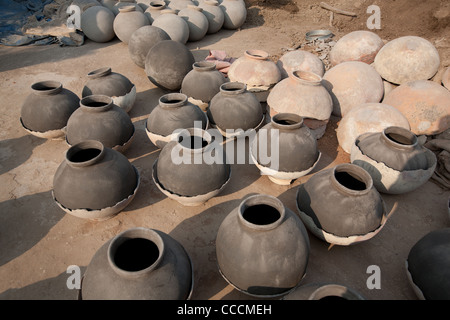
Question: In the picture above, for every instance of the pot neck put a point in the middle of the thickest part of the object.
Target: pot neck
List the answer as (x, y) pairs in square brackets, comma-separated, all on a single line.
[(173, 100), (47, 88), (256, 54), (204, 66), (287, 121), (102, 72), (351, 180), (194, 7), (305, 78), (127, 8), (85, 154), (168, 11), (96, 103), (399, 138), (157, 5), (261, 212), (211, 2), (233, 88)]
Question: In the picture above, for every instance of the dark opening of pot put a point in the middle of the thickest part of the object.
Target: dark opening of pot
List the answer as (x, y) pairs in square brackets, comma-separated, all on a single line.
[(136, 254), (350, 181), (261, 214), (192, 142), (285, 122), (84, 155), (331, 298), (95, 104), (400, 139), (44, 86)]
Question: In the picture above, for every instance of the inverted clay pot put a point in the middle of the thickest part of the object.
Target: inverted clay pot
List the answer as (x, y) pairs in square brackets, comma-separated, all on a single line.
[(197, 22), (235, 13), (300, 60), (128, 21), (323, 291), (175, 26), (214, 14), (97, 24)]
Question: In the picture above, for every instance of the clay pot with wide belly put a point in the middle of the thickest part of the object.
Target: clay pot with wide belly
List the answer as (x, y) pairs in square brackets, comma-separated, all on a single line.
[(300, 60), (128, 21), (142, 40), (214, 14), (154, 10), (175, 26), (97, 24), (323, 291), (235, 13), (197, 22), (125, 3)]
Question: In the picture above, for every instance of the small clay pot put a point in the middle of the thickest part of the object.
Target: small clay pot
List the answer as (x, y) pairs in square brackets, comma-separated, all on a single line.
[(214, 14), (197, 22), (128, 21), (300, 60), (235, 13), (97, 24), (323, 291), (175, 26)]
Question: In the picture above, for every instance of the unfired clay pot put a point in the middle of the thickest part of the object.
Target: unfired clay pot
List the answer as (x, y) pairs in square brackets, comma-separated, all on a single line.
[(154, 10), (197, 22), (214, 14), (323, 291), (300, 60), (97, 24), (446, 78), (175, 26), (125, 3), (235, 13), (128, 21)]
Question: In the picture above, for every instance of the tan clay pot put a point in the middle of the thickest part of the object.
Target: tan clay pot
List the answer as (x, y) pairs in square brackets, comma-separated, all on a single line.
[(300, 60)]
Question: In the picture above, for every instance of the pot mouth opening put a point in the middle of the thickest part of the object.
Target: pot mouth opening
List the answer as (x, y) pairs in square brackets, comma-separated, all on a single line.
[(85, 153), (400, 137), (99, 73), (257, 54), (204, 66), (287, 120), (351, 178), (173, 100), (157, 5), (96, 102), (333, 292), (127, 8), (192, 142), (212, 2), (233, 88), (307, 77), (261, 212), (47, 87)]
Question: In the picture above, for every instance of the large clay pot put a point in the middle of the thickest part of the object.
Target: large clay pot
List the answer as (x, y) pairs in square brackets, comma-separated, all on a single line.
[(361, 45), (292, 147), (142, 40), (139, 264), (125, 3), (257, 71), (351, 84), (428, 266), (192, 168), (94, 182), (406, 59), (262, 247), (234, 12), (235, 110), (202, 83), (175, 26), (98, 118), (341, 206), (214, 14), (368, 117), (303, 94), (47, 109), (446, 78), (167, 63), (394, 158), (97, 24), (197, 22), (323, 291), (128, 21), (425, 104), (300, 60), (154, 10), (112, 84), (173, 113)]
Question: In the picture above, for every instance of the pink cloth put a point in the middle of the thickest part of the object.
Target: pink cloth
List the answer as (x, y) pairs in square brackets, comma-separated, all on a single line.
[(221, 60)]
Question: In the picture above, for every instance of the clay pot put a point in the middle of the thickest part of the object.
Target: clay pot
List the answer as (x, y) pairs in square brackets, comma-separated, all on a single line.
[(358, 45), (144, 4), (128, 21), (395, 160), (255, 70), (139, 264), (196, 20), (125, 3), (191, 169), (173, 113), (351, 84), (341, 206), (178, 5), (175, 26), (94, 182), (109, 3), (300, 60), (47, 109), (446, 78), (154, 10), (303, 94), (214, 14), (262, 247), (406, 59), (323, 291), (112, 84), (293, 144), (142, 40), (234, 110), (234, 12), (97, 24), (167, 63), (368, 117), (202, 83), (98, 118), (425, 104)]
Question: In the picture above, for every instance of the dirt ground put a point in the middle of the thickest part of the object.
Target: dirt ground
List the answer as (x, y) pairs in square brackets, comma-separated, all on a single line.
[(38, 241)]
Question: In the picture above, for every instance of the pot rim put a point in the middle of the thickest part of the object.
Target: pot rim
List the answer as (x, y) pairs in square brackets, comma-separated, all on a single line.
[(404, 133), (297, 121), (263, 199), (173, 100), (157, 5), (256, 54), (99, 98), (306, 77), (356, 172), (127, 8), (46, 87), (98, 73), (193, 132), (335, 290), (84, 145), (212, 2), (233, 88), (204, 66)]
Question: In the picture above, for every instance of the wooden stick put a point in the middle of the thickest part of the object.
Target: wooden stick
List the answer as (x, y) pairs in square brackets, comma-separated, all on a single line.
[(336, 10)]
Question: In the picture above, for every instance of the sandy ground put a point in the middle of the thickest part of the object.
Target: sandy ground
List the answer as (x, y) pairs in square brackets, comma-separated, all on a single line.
[(39, 241)]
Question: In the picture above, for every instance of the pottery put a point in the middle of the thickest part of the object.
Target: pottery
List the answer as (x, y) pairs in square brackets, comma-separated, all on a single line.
[(446, 78), (197, 22), (341, 206), (234, 110), (192, 168), (109, 3), (368, 117), (407, 59), (167, 63), (154, 10), (144, 4), (125, 3), (300, 60), (98, 118), (323, 291), (178, 5), (46, 110), (97, 24), (128, 21), (352, 83), (234, 12), (174, 112), (175, 26), (103, 81), (139, 264), (425, 104), (262, 247), (395, 160), (428, 266), (142, 40), (293, 144), (214, 14), (94, 182)]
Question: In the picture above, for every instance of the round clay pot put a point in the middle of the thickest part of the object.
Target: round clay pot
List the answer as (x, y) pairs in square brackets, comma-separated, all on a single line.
[(94, 182), (300, 60), (406, 59), (303, 94), (352, 83), (128, 21), (125, 3), (255, 70), (154, 10), (293, 145), (341, 206), (368, 117), (108, 3), (192, 168), (446, 78), (394, 158), (178, 5), (234, 110), (262, 247), (175, 26), (196, 20), (174, 112), (144, 4), (112, 84), (425, 104), (358, 45), (139, 264), (142, 40), (323, 291), (167, 63), (202, 83), (98, 118), (428, 266), (214, 14), (47, 109), (97, 24), (234, 12)]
